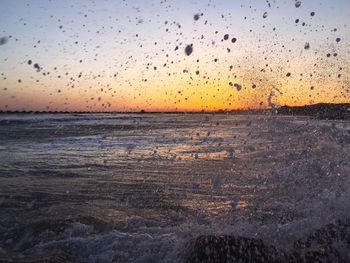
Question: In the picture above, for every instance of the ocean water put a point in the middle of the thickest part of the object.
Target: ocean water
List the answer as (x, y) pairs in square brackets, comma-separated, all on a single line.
[(141, 187)]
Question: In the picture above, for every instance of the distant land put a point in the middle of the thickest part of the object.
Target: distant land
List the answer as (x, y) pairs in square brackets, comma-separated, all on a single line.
[(330, 111), (320, 111)]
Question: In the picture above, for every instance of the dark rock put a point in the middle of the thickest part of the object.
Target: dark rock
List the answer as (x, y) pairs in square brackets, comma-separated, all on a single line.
[(231, 249), (330, 243)]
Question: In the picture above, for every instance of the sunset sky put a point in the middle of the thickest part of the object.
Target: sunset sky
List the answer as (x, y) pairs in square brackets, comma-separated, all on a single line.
[(114, 55)]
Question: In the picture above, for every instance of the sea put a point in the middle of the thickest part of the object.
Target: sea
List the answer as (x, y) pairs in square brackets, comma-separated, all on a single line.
[(112, 187)]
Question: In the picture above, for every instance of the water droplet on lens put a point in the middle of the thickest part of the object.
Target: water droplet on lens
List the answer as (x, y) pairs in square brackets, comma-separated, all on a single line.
[(189, 49)]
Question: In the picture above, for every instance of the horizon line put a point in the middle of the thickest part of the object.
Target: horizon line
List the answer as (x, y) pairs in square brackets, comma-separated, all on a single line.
[(142, 111)]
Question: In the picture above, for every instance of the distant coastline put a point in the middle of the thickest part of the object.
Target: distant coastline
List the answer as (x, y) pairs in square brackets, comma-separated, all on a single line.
[(339, 111), (321, 111)]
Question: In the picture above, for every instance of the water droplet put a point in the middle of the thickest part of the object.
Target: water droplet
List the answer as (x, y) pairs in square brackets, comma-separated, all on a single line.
[(3, 40), (189, 49)]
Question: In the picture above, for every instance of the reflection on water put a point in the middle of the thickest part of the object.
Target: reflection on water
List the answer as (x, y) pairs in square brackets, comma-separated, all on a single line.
[(146, 174), (167, 155)]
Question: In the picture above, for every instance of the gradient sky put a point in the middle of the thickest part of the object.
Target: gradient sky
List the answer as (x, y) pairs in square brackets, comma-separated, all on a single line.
[(130, 55)]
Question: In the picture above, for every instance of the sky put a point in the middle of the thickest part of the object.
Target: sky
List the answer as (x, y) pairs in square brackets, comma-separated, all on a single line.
[(114, 55)]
